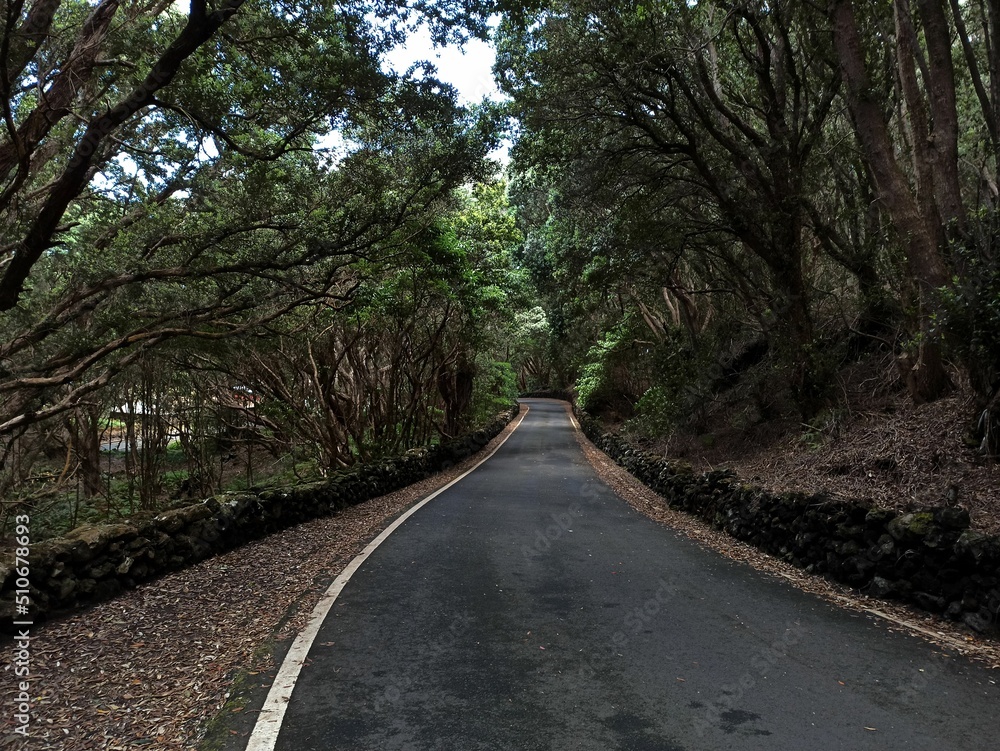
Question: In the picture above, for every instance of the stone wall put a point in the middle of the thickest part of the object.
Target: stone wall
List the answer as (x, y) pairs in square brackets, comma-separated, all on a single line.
[(929, 557), (94, 563)]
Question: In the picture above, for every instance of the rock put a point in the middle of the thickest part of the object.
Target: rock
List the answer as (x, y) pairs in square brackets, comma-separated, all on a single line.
[(64, 588), (848, 549), (137, 545), (929, 602), (849, 532), (98, 536), (886, 546), (6, 570), (952, 517), (881, 587), (878, 518), (969, 603), (105, 590), (973, 544), (976, 622), (101, 570), (857, 570), (993, 601), (178, 519), (904, 589), (8, 613), (911, 527)]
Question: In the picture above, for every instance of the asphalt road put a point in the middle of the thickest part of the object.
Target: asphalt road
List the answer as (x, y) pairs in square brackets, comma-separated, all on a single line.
[(529, 608)]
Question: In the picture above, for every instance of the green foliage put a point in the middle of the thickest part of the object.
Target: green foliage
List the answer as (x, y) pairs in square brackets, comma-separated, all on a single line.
[(970, 308), (598, 386), (657, 412), (681, 376), (531, 349), (286, 224), (495, 389), (216, 210), (823, 428), (969, 319)]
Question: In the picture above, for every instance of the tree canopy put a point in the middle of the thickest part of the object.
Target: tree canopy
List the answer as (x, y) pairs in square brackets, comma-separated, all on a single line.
[(229, 226), (240, 196)]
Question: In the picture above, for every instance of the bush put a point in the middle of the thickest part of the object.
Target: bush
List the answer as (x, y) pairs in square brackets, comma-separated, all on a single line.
[(494, 389), (680, 375), (606, 381), (970, 319)]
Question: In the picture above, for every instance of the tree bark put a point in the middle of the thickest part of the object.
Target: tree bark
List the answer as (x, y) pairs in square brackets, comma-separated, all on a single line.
[(54, 105), (87, 447), (455, 387), (943, 145)]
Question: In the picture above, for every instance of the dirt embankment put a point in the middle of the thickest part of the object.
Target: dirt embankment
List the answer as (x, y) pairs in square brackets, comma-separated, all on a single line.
[(900, 455)]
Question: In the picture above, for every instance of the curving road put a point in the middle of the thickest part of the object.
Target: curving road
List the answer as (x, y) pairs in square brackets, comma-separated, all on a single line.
[(527, 607)]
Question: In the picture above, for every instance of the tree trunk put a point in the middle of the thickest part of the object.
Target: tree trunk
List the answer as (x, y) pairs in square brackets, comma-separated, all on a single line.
[(87, 446), (793, 310), (944, 112), (923, 370), (456, 390)]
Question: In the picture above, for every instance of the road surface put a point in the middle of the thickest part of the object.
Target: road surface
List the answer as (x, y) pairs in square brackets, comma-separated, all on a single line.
[(527, 607)]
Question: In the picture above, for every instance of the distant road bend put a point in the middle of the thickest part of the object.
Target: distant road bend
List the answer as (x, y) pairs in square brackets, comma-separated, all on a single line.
[(527, 607)]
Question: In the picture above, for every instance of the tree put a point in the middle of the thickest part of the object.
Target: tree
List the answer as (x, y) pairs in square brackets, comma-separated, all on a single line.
[(178, 181), (398, 365)]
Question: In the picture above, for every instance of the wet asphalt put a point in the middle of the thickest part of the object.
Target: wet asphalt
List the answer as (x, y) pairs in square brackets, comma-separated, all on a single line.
[(528, 607)]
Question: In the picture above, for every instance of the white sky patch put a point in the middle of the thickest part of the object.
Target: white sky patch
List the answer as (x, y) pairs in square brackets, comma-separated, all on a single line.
[(467, 68)]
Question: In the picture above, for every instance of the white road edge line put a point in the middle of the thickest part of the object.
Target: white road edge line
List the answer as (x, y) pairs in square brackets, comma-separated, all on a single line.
[(572, 418), (265, 732)]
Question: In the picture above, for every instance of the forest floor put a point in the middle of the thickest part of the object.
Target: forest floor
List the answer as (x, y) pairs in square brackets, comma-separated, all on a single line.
[(874, 445)]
